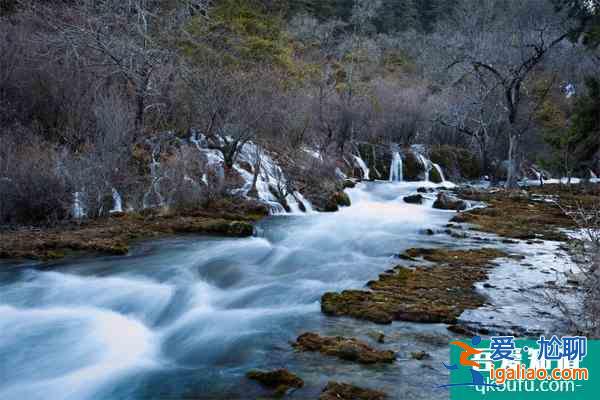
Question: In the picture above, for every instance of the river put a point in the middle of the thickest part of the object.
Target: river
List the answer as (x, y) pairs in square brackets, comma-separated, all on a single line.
[(187, 317)]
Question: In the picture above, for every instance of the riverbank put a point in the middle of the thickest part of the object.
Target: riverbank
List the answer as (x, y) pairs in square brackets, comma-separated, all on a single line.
[(533, 213), (114, 234)]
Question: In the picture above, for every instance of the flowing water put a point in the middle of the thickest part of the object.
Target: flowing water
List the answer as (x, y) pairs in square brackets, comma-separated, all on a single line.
[(187, 317)]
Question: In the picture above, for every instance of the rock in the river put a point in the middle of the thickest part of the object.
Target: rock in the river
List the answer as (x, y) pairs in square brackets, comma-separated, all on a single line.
[(349, 184), (344, 391), (378, 336), (447, 202), (413, 199), (281, 380), (349, 349), (431, 294), (337, 200), (420, 355)]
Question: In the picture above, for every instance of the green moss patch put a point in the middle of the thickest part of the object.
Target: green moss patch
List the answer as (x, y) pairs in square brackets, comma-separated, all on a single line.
[(438, 293)]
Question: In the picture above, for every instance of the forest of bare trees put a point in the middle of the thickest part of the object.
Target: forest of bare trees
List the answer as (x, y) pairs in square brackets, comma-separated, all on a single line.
[(84, 84)]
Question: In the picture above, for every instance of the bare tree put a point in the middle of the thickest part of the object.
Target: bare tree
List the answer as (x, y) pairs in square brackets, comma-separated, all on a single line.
[(229, 106), (119, 40), (503, 43), (473, 108)]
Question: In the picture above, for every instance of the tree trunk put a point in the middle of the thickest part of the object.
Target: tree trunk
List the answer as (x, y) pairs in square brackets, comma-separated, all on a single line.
[(485, 168), (139, 116), (511, 179)]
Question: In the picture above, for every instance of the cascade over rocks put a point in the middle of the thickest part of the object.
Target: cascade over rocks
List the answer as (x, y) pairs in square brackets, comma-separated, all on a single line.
[(377, 162), (378, 159), (191, 170), (457, 163)]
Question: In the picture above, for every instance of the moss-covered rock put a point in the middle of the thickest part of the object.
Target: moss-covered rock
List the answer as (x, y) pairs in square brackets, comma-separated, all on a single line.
[(349, 349), (422, 294), (413, 168), (344, 391), (281, 380), (349, 184), (342, 199), (337, 200), (435, 176), (420, 355), (520, 215), (112, 235)]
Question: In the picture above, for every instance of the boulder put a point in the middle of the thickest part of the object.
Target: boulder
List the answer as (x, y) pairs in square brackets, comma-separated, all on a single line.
[(414, 199), (349, 184), (446, 202), (344, 391)]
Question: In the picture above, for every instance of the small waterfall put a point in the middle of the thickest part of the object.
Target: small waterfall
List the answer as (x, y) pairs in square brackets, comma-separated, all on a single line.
[(396, 169), (363, 167), (117, 202), (426, 164), (78, 207), (307, 205), (439, 171), (155, 186), (271, 179)]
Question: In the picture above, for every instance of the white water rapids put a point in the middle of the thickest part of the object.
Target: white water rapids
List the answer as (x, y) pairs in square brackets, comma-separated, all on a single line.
[(188, 317)]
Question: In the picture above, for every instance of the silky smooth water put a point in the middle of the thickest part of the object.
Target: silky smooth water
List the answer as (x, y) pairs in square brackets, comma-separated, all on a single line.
[(186, 317)]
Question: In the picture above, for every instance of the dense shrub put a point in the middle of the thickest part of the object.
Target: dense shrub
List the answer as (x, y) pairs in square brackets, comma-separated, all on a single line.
[(32, 187)]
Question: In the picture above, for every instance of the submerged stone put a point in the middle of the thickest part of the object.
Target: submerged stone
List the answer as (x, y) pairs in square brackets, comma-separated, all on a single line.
[(281, 380), (344, 391), (420, 355), (349, 349)]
